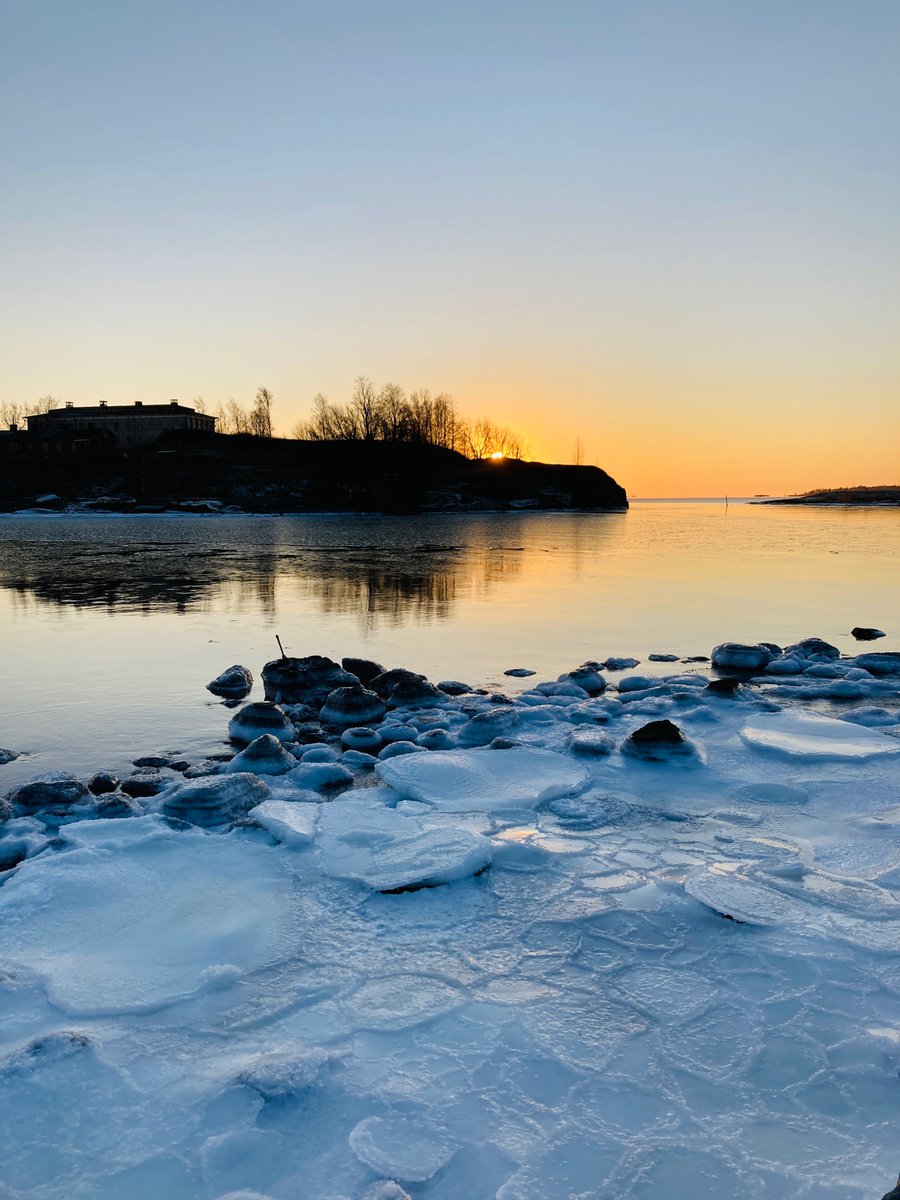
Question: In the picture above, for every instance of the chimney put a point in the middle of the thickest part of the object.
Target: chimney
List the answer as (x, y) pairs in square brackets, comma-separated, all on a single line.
[(174, 403), (103, 404), (138, 404), (70, 404), (13, 428)]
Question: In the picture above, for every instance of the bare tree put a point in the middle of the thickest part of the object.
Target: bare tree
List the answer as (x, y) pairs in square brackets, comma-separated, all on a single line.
[(199, 404), (45, 404), (364, 407), (261, 413), (578, 453)]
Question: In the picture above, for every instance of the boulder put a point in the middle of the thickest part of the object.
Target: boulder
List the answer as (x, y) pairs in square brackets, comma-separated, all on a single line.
[(813, 646), (415, 693), (304, 680), (363, 668), (453, 687), (216, 800), (260, 717), (734, 656), (56, 789), (492, 723), (385, 683), (883, 662), (7, 756), (658, 741), (102, 782), (861, 632), (363, 739), (145, 783), (354, 705), (264, 756), (588, 677), (235, 682)]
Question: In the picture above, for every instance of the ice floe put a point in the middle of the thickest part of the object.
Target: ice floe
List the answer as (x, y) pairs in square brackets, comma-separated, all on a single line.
[(811, 735)]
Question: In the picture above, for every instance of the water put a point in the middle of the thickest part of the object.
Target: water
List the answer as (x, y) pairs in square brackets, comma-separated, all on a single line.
[(111, 626)]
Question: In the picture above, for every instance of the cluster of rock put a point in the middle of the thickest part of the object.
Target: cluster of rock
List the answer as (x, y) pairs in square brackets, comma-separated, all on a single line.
[(324, 724)]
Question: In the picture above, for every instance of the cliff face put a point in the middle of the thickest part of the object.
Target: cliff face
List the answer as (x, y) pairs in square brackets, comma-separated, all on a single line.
[(266, 475)]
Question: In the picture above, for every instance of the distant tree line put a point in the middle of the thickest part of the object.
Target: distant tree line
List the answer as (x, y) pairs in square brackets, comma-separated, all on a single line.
[(388, 414), (14, 413), (235, 418)]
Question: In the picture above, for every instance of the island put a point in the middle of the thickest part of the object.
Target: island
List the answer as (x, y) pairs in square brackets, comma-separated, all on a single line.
[(199, 471), (881, 496)]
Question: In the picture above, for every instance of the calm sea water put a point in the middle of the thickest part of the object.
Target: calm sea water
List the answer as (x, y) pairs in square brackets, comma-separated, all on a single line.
[(110, 627)]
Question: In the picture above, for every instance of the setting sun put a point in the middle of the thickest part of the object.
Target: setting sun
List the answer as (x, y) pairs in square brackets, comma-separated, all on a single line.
[(498, 454)]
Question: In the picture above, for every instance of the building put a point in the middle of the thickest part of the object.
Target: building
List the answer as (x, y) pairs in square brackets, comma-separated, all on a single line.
[(55, 442), (131, 425)]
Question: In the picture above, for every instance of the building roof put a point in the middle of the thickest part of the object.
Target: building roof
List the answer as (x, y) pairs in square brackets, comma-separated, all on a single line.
[(117, 409)]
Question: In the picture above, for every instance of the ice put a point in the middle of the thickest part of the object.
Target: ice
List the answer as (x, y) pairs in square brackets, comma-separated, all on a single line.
[(810, 735), (536, 973), (141, 915), (484, 780), (390, 849), (292, 823), (409, 1148)]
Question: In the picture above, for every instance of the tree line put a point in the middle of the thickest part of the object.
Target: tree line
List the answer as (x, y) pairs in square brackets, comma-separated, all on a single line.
[(389, 414), (15, 413)]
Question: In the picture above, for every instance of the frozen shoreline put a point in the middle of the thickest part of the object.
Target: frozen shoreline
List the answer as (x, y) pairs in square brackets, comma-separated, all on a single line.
[(557, 1007)]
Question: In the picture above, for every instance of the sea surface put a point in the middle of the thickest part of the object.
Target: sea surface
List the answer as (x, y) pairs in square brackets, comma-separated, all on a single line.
[(110, 626)]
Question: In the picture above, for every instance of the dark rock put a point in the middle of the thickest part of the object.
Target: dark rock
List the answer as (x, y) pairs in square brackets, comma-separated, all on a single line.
[(363, 668), (662, 658), (735, 656), (235, 682), (658, 741), (587, 677), (145, 783), (116, 805), (264, 756), (435, 739), (57, 789), (11, 854), (304, 680), (880, 662), (453, 687), (810, 646), (620, 664), (485, 726), (696, 658), (502, 743), (415, 693), (519, 672), (860, 632), (102, 782), (7, 756), (726, 686), (394, 749), (259, 717), (385, 683), (353, 705), (152, 760), (363, 739)]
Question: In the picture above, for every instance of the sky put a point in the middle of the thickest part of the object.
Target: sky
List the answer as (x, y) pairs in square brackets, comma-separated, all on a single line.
[(670, 231)]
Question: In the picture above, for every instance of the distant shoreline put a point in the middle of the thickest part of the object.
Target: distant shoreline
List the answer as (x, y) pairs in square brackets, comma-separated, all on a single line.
[(865, 497)]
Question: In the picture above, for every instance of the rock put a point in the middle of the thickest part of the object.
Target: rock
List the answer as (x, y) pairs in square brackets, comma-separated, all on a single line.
[(453, 687), (590, 741), (102, 782), (260, 717), (664, 658), (502, 743), (12, 853), (115, 805), (316, 776), (487, 725), (264, 756), (587, 677), (415, 693), (860, 632), (235, 682), (56, 789), (363, 668), (883, 662), (152, 760), (304, 680), (394, 749), (728, 685), (385, 683), (353, 705), (358, 759), (519, 672), (320, 754), (813, 646), (734, 656), (786, 665), (7, 756), (620, 664), (657, 741), (145, 783), (362, 738), (435, 739), (216, 800), (398, 733)]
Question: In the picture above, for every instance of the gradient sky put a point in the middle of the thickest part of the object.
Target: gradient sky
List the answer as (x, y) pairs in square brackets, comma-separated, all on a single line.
[(671, 229)]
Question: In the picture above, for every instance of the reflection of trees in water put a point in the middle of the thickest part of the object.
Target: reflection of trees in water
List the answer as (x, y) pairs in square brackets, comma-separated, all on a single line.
[(419, 583)]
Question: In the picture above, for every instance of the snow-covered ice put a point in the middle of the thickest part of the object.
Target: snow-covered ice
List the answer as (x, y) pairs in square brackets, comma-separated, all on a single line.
[(554, 971)]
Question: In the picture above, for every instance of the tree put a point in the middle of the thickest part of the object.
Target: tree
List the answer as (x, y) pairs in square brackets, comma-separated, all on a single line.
[(578, 453), (364, 408), (261, 413)]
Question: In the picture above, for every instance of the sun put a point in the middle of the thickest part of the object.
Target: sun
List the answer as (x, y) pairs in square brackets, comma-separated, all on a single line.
[(498, 454)]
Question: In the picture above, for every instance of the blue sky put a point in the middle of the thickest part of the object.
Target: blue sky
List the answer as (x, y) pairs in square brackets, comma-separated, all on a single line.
[(629, 222)]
